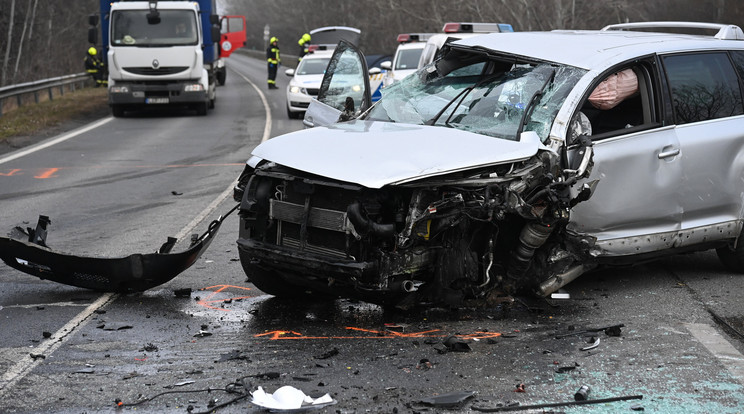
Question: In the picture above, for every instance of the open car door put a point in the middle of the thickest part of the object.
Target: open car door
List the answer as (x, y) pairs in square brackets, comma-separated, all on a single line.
[(344, 92)]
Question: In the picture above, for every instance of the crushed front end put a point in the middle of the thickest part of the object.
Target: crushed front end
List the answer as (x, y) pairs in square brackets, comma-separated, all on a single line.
[(456, 239)]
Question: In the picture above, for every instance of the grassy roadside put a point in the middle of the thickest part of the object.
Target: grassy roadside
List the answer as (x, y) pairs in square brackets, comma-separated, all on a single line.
[(31, 119)]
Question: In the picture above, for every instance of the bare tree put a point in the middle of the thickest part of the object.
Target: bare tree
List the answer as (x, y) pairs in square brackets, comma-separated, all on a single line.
[(20, 43), (7, 46)]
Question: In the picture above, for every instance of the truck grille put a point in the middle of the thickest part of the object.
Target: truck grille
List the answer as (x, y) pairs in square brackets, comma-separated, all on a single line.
[(170, 70)]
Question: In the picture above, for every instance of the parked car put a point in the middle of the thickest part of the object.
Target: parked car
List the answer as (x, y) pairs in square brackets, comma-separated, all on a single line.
[(305, 82), (514, 163)]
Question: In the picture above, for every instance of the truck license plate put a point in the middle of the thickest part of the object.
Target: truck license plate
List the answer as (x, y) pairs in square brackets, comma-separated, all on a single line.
[(156, 100)]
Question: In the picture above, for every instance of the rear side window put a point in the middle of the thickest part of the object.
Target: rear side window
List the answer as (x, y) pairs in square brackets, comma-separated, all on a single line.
[(739, 62), (704, 86)]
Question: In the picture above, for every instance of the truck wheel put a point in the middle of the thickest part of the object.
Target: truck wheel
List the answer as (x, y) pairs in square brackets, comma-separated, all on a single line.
[(201, 109), (221, 77), (211, 104), (117, 111)]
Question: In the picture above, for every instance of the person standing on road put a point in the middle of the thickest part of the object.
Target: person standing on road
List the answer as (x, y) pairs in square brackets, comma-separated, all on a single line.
[(304, 42), (272, 56), (95, 68)]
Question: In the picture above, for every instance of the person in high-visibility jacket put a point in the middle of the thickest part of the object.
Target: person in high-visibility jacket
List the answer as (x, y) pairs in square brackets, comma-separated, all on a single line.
[(304, 42), (95, 67), (272, 56)]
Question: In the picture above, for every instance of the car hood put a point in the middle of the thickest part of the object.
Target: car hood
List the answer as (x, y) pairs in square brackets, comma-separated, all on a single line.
[(307, 81), (375, 154)]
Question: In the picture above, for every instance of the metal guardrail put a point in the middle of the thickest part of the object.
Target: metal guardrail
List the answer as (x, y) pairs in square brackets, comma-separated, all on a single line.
[(22, 92)]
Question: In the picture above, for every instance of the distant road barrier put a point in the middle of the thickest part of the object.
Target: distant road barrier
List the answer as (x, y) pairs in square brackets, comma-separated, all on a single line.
[(15, 96)]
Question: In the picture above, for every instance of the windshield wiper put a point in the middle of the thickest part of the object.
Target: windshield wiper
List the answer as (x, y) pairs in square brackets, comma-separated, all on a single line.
[(531, 104)]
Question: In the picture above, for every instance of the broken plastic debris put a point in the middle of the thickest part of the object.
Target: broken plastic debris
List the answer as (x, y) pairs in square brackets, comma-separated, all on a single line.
[(452, 399), (133, 273), (289, 398), (455, 344), (561, 294), (592, 346), (333, 352)]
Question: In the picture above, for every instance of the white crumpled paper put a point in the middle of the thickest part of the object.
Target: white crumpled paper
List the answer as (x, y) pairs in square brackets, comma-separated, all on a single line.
[(288, 398)]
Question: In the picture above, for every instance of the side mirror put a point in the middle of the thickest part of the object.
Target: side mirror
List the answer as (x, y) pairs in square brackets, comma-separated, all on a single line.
[(93, 35), (387, 65), (93, 20), (214, 19), (375, 71), (289, 72)]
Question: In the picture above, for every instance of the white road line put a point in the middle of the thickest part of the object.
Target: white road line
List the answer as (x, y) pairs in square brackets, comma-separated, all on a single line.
[(25, 365), (43, 305), (55, 141), (267, 126), (717, 345), (211, 207)]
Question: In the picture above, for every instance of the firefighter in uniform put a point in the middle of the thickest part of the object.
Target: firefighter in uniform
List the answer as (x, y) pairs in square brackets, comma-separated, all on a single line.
[(94, 66), (272, 56), (304, 42)]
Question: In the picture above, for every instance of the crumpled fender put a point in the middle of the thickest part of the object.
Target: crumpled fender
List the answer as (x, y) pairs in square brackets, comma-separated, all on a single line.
[(134, 273)]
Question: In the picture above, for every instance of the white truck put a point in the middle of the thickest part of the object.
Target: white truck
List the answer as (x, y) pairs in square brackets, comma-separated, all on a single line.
[(163, 52)]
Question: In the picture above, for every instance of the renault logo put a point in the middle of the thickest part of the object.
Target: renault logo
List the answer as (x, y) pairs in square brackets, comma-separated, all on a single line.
[(155, 64)]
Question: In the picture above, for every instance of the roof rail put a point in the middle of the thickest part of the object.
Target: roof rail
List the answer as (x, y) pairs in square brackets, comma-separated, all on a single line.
[(725, 31)]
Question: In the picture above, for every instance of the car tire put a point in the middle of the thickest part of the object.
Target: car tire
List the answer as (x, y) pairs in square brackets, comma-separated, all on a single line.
[(117, 111), (732, 258)]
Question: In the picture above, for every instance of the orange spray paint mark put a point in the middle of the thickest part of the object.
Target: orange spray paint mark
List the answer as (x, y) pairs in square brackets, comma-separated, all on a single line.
[(11, 173), (206, 302), (373, 334), (48, 173)]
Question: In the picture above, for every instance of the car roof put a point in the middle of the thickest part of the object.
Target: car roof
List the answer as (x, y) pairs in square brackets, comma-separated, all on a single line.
[(595, 49)]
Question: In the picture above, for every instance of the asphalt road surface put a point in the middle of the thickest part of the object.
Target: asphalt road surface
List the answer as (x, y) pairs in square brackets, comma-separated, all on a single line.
[(208, 338)]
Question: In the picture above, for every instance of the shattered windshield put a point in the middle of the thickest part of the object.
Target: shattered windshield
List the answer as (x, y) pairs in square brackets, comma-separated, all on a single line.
[(172, 28), (480, 94)]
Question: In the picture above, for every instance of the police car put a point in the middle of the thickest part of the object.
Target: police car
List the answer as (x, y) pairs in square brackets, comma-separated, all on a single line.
[(406, 58), (305, 82), (456, 31)]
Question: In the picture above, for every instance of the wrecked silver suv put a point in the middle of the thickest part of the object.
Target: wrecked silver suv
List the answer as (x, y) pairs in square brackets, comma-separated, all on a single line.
[(516, 161)]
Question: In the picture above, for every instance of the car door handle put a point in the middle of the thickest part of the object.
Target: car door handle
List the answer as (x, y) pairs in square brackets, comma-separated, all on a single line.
[(669, 153)]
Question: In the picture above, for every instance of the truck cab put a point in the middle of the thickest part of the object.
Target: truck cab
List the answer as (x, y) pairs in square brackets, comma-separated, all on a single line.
[(165, 52)]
